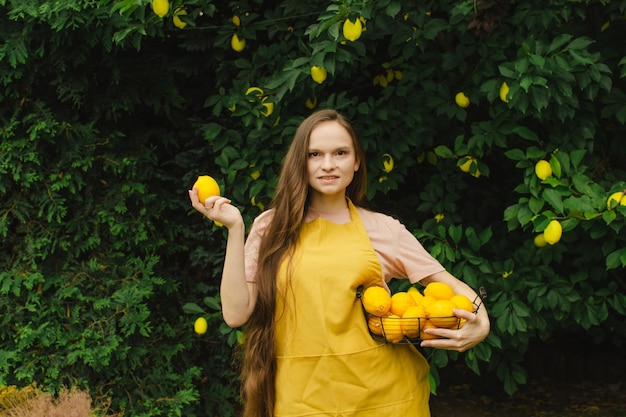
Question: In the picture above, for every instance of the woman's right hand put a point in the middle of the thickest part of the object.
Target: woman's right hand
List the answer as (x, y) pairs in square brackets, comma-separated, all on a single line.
[(217, 209)]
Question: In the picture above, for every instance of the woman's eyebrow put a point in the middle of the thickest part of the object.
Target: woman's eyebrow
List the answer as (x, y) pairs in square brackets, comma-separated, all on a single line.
[(340, 148)]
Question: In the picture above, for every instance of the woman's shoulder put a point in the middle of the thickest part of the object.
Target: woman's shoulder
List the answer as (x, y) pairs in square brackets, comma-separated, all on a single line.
[(262, 220), (378, 219)]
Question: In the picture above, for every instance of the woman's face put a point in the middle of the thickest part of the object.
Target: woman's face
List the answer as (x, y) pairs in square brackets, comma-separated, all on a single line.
[(331, 163)]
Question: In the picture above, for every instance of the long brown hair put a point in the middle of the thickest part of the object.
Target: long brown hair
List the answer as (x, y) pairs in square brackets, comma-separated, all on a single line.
[(289, 204)]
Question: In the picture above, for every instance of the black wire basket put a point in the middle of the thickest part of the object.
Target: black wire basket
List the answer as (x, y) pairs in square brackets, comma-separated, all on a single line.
[(410, 330)]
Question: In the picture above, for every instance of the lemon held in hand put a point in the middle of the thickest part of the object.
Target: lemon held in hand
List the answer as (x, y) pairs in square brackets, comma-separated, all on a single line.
[(207, 187)]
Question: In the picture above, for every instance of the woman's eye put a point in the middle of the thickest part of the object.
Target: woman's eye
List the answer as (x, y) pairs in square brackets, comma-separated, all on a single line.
[(312, 154)]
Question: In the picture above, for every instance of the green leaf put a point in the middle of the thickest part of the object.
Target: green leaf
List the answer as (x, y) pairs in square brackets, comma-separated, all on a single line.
[(580, 43), (558, 43), (553, 197), (393, 8), (432, 27), (616, 259), (443, 152), (193, 308)]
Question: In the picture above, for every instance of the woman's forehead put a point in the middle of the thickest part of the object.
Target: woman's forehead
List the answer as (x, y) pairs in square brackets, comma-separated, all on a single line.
[(330, 134)]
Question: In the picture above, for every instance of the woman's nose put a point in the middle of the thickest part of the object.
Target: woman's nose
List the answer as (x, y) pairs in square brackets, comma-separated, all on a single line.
[(328, 163)]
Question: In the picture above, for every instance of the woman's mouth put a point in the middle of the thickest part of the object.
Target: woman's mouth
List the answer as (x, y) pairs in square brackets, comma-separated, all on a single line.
[(328, 179)]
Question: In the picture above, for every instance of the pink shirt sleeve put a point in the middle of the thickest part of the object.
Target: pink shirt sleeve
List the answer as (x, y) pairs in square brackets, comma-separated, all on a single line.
[(401, 254)]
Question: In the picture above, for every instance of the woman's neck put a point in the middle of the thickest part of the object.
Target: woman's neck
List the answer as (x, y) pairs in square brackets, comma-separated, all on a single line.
[(328, 203)]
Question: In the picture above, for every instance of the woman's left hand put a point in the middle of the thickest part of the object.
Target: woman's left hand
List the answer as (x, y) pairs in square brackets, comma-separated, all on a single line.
[(474, 331)]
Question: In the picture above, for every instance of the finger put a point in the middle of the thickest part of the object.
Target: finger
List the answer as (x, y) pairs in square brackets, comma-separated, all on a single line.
[(217, 202), (464, 314), (211, 201), (193, 194)]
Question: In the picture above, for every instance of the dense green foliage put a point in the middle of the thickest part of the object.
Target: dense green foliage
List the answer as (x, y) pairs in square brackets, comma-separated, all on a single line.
[(109, 112)]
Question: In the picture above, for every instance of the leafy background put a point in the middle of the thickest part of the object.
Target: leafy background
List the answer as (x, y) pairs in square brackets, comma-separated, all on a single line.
[(109, 113)]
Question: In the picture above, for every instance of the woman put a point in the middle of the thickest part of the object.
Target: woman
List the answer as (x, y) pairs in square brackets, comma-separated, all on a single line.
[(293, 283)]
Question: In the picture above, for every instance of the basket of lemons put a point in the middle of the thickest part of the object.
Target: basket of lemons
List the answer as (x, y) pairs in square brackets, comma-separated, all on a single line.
[(403, 316)]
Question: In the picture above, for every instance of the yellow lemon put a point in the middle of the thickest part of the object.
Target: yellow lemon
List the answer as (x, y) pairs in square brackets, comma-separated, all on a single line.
[(417, 296), (411, 320), (269, 109), (237, 44), (462, 100), (441, 314), (387, 162), (318, 74), (552, 233), (375, 325), (200, 326), (618, 197), (311, 103), (427, 325), (207, 187), (257, 204), (376, 300), (236, 21), (257, 92), (160, 7), (540, 240), (504, 92), (352, 31), (462, 302), (543, 169), (439, 291), (465, 166), (255, 175), (400, 301), (428, 300), (177, 21), (392, 328)]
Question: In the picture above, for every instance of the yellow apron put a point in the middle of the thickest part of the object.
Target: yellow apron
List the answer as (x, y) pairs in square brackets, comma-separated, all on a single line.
[(328, 364)]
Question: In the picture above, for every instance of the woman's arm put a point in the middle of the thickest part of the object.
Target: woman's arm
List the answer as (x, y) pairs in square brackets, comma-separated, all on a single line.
[(238, 297), (475, 329)]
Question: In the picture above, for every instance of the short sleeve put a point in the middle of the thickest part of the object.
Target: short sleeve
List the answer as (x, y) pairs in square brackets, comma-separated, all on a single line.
[(253, 241), (400, 252)]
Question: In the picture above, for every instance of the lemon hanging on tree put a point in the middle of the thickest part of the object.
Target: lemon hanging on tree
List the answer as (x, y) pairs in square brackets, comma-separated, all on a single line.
[(352, 31), (616, 199), (540, 240), (178, 22), (200, 326), (388, 163), (318, 74), (504, 92), (160, 7), (462, 100), (552, 233), (238, 44), (268, 108), (543, 169)]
